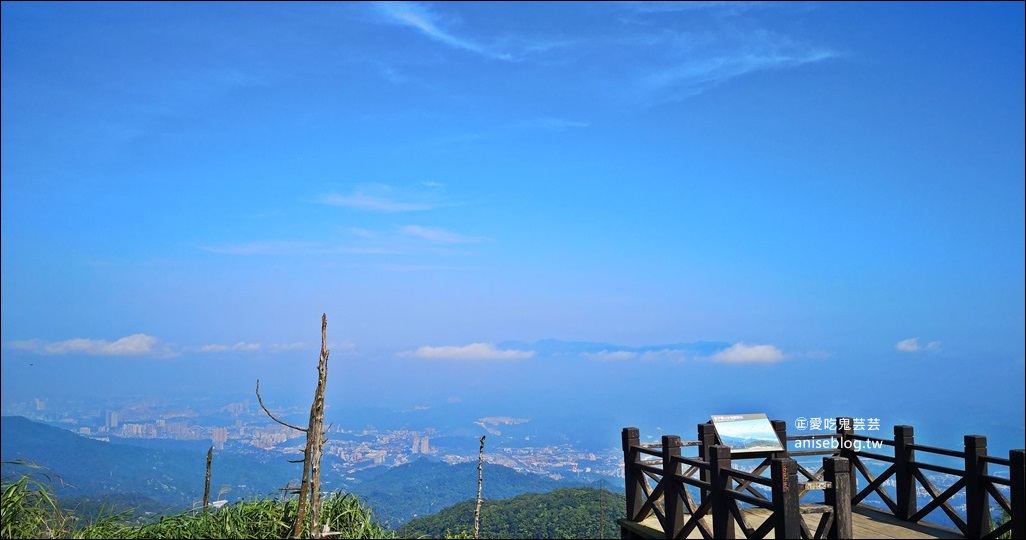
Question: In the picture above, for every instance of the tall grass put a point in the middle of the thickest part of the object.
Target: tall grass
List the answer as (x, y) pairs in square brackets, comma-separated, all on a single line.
[(30, 510)]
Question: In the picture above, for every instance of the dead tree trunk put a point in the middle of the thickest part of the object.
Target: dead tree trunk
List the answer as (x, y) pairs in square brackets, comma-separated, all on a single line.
[(315, 435), (480, 478), (310, 485), (206, 484)]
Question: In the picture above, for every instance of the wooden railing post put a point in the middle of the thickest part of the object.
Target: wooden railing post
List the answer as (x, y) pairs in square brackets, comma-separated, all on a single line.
[(846, 449), (673, 499), (786, 514), (632, 477), (1017, 475), (706, 438), (722, 521), (780, 427), (977, 500), (838, 496), (904, 480)]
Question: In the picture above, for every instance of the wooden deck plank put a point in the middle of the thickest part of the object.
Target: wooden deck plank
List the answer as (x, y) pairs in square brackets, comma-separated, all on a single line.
[(866, 523)]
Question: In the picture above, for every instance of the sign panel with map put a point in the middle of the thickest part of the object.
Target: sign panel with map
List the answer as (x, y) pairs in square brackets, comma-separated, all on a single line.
[(746, 433)]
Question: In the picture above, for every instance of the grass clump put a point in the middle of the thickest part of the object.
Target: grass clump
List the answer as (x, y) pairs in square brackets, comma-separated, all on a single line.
[(31, 510)]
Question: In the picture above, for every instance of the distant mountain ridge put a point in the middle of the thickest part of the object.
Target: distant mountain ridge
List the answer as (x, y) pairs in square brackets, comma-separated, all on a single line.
[(84, 467), (92, 469)]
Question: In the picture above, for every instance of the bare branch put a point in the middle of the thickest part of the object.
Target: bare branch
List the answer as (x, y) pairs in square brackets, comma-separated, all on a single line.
[(264, 407)]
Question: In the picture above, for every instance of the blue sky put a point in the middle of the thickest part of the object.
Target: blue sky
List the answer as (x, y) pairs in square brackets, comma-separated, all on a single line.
[(834, 185)]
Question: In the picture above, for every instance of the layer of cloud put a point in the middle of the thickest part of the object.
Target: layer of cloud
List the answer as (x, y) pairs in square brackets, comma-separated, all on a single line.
[(610, 355), (244, 346), (663, 354), (912, 345), (474, 351), (740, 353), (133, 345)]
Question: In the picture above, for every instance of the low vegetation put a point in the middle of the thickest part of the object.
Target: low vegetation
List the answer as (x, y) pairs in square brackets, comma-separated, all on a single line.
[(30, 510)]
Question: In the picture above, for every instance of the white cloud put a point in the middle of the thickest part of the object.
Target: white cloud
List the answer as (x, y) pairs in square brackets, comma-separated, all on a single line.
[(661, 7), (243, 346), (610, 355), (663, 354), (133, 345), (279, 347), (740, 353), (421, 17), (912, 345), (361, 201), (690, 63), (696, 76), (908, 345), (240, 346), (436, 234), (474, 351)]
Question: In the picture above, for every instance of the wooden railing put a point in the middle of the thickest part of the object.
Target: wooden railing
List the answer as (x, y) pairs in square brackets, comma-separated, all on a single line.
[(907, 468), (658, 479)]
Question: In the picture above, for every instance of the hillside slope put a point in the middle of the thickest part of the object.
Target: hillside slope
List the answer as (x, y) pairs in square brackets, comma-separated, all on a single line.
[(424, 487), (83, 467), (562, 513)]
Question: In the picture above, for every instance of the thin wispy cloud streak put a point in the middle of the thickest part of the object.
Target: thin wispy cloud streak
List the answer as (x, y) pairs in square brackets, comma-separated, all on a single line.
[(437, 235), (698, 73), (420, 17), (718, 8), (372, 203)]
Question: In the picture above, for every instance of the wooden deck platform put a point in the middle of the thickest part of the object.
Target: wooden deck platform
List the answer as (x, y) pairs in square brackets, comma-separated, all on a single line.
[(866, 523)]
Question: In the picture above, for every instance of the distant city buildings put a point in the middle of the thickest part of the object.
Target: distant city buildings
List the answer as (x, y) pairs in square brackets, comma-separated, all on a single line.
[(421, 445), (249, 431), (219, 436)]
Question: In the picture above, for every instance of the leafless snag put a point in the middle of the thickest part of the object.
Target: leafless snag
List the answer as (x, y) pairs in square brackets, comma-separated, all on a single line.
[(310, 485), (206, 484), (480, 478)]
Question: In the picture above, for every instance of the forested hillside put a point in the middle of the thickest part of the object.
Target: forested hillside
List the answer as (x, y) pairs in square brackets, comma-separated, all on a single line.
[(424, 487), (562, 513), (88, 468)]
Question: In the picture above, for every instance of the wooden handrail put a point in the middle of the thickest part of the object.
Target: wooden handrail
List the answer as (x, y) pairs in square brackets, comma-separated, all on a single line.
[(658, 479)]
